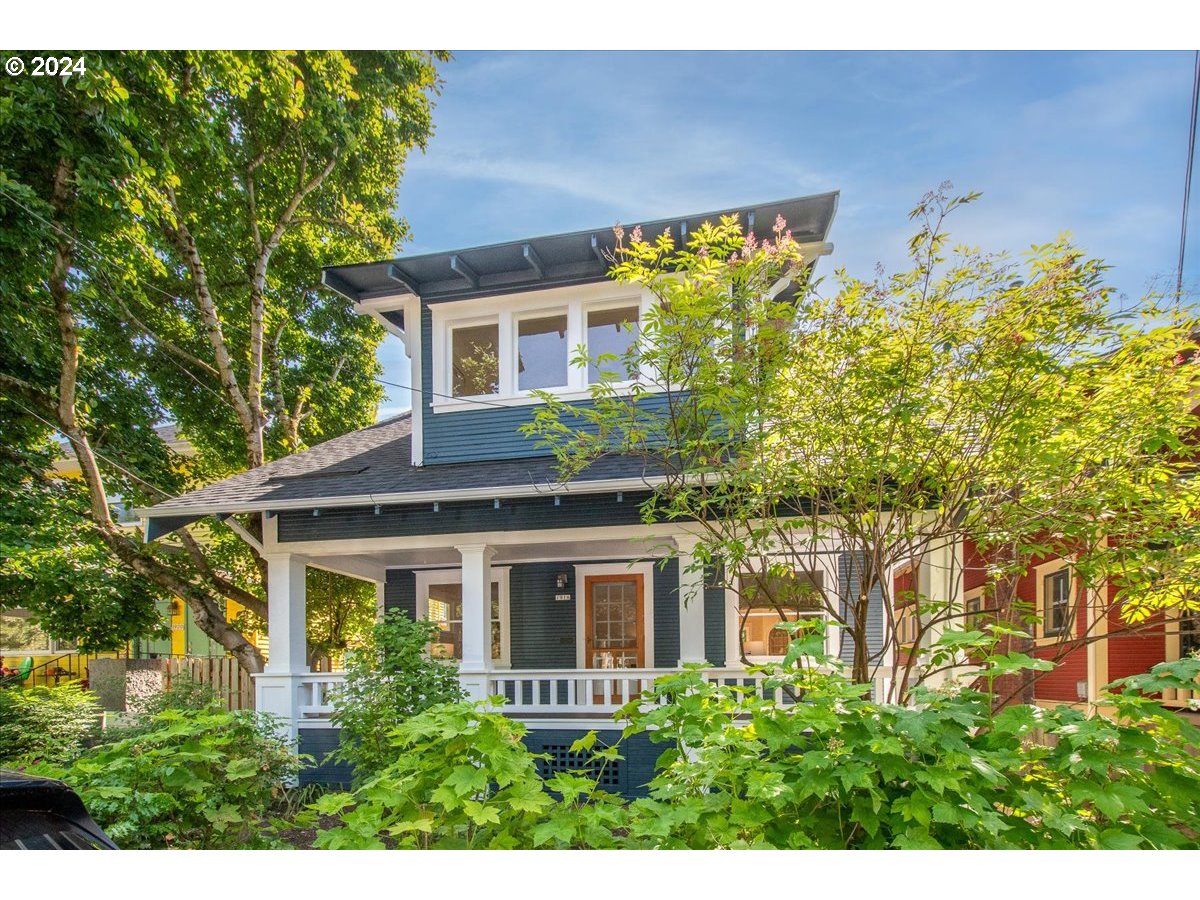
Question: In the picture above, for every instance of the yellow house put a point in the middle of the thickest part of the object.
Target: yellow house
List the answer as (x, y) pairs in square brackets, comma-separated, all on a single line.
[(53, 661)]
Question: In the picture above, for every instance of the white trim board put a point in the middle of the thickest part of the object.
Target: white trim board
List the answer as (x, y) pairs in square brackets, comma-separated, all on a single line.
[(646, 570)]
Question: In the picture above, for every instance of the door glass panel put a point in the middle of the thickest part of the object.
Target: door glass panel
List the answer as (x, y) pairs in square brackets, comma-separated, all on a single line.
[(614, 625)]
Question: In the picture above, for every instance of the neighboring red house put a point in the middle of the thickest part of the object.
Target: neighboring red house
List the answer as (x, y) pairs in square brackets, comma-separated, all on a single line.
[(1082, 631)]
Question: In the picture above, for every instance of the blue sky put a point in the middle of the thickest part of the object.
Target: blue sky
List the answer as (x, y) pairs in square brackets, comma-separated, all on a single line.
[(537, 143)]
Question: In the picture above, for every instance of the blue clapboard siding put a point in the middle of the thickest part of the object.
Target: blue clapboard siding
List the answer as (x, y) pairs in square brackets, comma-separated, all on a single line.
[(463, 517), (400, 592), (541, 629), (666, 614), (319, 743), (478, 433), (714, 619), (850, 576)]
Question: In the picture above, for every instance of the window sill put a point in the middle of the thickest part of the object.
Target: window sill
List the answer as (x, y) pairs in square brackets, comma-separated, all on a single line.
[(494, 402)]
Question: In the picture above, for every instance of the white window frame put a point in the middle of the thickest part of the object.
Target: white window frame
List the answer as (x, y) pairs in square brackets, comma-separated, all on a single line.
[(50, 649), (513, 358), (448, 355), (506, 311), (603, 306), (826, 564), (426, 578)]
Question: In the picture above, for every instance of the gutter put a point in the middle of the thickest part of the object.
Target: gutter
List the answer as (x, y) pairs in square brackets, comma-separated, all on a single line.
[(411, 497)]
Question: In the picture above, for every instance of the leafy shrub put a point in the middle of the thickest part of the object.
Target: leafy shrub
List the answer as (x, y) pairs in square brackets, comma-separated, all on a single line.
[(387, 682), (183, 694), (460, 778), (833, 769), (198, 778), (841, 771), (49, 723)]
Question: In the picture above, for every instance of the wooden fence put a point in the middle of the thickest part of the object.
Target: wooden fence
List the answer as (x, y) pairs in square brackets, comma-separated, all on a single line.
[(224, 675)]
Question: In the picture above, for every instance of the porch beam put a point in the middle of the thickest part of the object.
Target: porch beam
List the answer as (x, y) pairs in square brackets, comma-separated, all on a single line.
[(691, 602)]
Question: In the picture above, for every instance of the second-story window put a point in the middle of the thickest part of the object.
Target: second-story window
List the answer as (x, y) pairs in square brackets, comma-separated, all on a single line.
[(610, 331), (542, 352), (475, 360)]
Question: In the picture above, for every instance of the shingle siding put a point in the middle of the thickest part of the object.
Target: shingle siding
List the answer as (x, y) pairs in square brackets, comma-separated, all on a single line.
[(666, 614), (400, 592), (541, 629), (714, 619), (850, 576)]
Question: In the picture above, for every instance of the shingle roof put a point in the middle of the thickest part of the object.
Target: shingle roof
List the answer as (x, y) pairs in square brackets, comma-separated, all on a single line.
[(374, 464)]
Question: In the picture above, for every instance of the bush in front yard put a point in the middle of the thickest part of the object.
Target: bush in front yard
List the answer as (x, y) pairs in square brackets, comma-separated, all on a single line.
[(47, 723), (198, 778), (387, 682), (832, 770)]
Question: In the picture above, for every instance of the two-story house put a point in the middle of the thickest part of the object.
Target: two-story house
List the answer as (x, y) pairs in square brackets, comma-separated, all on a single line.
[(555, 596)]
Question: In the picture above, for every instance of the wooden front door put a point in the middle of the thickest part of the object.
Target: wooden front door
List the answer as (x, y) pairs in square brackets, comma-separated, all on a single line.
[(614, 622)]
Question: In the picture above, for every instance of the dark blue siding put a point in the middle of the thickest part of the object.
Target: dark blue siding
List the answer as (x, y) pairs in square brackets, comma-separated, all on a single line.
[(541, 629), (319, 743), (400, 592), (714, 619), (478, 433), (573, 511), (666, 614)]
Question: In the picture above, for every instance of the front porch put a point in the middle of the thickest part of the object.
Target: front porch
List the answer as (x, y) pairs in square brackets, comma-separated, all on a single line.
[(567, 625)]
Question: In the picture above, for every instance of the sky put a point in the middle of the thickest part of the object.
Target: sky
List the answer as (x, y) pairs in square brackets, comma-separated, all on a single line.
[(1093, 144)]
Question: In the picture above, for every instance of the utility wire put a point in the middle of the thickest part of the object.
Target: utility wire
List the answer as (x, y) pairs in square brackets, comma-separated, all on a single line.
[(99, 256), (1187, 182)]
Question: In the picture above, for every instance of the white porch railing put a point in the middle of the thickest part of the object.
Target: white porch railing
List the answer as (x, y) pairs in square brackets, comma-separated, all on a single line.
[(314, 706), (545, 692)]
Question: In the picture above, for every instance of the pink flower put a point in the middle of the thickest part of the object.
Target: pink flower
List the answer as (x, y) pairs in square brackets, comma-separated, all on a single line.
[(780, 224), (636, 234)]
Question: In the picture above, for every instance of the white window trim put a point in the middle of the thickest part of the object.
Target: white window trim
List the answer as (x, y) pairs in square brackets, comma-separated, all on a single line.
[(512, 359), (646, 570), (426, 578), (826, 564), (506, 311)]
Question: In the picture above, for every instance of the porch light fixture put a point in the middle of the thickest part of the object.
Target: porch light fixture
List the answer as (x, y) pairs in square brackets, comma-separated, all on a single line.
[(496, 504), (557, 500), (436, 506), (377, 508), (316, 512), (620, 496), (560, 580)]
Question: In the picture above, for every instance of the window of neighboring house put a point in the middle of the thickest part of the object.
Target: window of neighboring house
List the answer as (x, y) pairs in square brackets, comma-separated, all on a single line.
[(767, 599), (1056, 602), (908, 625), (440, 601), (475, 360), (610, 331), (542, 352), (20, 633), (974, 609), (1189, 632)]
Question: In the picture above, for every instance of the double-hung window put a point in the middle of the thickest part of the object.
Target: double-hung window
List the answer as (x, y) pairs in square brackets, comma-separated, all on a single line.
[(1056, 601), (610, 334), (542, 351), (439, 600), (475, 359)]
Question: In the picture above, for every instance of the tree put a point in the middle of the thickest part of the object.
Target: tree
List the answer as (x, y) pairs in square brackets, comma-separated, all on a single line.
[(967, 397), (167, 214)]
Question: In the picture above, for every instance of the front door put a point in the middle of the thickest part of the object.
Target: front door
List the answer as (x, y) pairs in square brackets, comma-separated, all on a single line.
[(614, 617)]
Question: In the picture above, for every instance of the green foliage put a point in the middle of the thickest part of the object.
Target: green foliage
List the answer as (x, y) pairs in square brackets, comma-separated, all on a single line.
[(839, 771), (827, 768), (968, 395), (202, 779), (340, 612), (46, 723), (461, 778), (388, 681), (175, 208)]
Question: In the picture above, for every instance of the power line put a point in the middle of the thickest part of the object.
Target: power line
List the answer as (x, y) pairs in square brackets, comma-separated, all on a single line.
[(1187, 182)]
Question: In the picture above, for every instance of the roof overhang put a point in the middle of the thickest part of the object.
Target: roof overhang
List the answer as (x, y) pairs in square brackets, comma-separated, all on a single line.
[(557, 260), (161, 521)]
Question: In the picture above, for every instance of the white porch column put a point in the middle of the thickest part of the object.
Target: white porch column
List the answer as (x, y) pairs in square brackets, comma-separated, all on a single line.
[(691, 603), (477, 618), (277, 687)]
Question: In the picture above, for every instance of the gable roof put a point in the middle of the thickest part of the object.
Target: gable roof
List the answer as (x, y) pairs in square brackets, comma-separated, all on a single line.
[(373, 465)]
